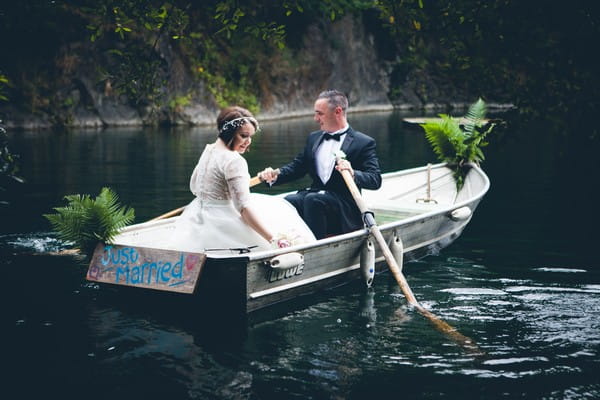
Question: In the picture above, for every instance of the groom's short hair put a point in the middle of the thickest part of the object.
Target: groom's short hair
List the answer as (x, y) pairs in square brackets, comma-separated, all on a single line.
[(335, 98)]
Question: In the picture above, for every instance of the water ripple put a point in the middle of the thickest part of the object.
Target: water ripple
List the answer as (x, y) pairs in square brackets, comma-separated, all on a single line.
[(556, 269), (474, 291), (586, 289), (501, 361), (36, 242)]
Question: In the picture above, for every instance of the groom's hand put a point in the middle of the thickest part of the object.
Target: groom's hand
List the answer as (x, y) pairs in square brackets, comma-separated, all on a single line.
[(268, 175), (343, 164)]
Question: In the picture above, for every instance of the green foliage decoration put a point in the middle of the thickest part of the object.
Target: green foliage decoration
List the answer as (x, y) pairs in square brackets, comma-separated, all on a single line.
[(85, 221), (459, 141)]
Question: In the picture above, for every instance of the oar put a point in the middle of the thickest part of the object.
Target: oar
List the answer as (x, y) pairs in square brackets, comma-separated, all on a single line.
[(253, 182), (395, 269)]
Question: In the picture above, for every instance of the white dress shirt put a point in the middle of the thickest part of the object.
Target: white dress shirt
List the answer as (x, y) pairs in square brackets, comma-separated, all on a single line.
[(325, 155)]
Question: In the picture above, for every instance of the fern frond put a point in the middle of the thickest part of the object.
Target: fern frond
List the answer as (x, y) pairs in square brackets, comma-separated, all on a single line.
[(474, 116), (458, 146), (105, 206), (442, 136), (85, 221)]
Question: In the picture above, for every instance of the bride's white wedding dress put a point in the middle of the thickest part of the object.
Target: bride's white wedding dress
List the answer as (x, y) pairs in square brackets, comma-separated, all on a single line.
[(212, 220)]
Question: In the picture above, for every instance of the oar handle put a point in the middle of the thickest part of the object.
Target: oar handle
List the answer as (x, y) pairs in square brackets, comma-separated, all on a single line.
[(170, 214), (253, 182)]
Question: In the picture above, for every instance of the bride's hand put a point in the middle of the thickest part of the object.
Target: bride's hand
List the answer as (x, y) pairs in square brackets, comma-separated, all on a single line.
[(279, 243)]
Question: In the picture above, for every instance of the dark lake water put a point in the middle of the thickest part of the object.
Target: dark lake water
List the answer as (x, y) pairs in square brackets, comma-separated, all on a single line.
[(523, 281)]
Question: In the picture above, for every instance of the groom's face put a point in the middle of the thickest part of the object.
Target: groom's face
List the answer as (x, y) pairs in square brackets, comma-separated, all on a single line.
[(325, 116)]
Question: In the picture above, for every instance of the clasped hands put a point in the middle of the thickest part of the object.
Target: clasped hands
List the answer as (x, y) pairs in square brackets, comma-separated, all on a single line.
[(269, 175)]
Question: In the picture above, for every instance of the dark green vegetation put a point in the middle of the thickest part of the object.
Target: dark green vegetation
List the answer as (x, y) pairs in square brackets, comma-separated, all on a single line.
[(85, 221), (460, 141), (8, 167), (534, 54)]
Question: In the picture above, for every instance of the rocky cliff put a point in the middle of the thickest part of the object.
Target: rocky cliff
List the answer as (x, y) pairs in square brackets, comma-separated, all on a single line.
[(339, 55)]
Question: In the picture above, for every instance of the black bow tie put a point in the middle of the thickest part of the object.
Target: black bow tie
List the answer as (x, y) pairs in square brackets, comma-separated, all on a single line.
[(336, 137)]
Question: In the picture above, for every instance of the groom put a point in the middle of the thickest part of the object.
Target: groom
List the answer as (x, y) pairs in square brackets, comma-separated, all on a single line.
[(328, 206)]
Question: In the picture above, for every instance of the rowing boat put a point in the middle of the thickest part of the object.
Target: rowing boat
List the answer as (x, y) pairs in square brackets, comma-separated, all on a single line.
[(419, 212)]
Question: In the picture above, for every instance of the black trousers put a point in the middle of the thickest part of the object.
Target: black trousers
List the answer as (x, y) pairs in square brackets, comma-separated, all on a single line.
[(319, 209)]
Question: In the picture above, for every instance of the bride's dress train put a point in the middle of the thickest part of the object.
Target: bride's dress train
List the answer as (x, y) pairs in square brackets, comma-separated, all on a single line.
[(206, 225)]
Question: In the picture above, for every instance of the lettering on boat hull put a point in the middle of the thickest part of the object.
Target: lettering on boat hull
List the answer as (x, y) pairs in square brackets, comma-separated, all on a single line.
[(279, 274), (173, 271)]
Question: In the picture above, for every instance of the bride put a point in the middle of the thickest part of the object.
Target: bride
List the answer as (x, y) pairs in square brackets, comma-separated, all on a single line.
[(224, 213)]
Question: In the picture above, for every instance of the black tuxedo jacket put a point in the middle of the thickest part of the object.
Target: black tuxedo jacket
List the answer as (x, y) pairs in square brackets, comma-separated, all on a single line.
[(360, 150)]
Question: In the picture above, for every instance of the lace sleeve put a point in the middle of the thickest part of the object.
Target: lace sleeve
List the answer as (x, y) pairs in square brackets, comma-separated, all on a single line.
[(238, 181)]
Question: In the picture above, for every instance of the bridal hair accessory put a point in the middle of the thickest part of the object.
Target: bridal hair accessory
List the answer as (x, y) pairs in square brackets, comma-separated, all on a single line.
[(237, 122)]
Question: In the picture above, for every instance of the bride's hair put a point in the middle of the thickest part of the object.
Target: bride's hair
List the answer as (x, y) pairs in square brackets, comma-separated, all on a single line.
[(230, 119)]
